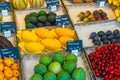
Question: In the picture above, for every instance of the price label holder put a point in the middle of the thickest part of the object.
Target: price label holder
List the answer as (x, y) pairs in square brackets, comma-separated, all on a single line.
[(101, 3), (5, 8), (10, 52), (62, 20), (75, 46), (52, 4), (8, 29)]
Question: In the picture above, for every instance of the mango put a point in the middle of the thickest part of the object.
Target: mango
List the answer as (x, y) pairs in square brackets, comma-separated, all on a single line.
[(44, 33), (64, 40), (51, 44), (34, 47), (28, 36), (65, 32)]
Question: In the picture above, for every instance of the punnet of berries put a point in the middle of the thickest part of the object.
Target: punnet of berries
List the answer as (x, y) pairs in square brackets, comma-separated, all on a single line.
[(105, 61)]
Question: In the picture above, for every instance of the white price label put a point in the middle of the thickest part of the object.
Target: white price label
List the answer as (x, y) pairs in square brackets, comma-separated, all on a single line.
[(5, 13), (75, 52), (7, 34), (102, 3), (53, 8)]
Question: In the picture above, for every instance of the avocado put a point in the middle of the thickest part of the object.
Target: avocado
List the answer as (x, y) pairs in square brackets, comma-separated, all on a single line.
[(42, 13), (33, 20), (40, 68), (51, 18), (63, 75), (51, 13), (29, 25), (27, 21), (36, 77), (33, 14), (27, 17), (39, 24), (42, 19), (47, 23)]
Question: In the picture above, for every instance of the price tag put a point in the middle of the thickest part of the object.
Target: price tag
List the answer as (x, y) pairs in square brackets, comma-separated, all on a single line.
[(102, 3), (62, 20), (75, 52), (5, 13), (10, 52), (52, 3), (74, 46), (5, 8), (8, 28), (53, 8), (7, 34)]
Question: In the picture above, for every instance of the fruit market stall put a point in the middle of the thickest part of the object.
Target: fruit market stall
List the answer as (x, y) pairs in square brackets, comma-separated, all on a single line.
[(60, 40), (98, 34), (48, 39), (89, 13), (105, 61), (32, 18), (115, 6), (54, 62), (27, 4)]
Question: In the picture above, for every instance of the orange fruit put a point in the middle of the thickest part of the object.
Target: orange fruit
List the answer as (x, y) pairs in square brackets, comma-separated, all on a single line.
[(1, 60), (16, 73), (1, 67), (8, 61), (8, 73), (7, 68), (5, 79), (13, 78), (15, 66), (1, 76)]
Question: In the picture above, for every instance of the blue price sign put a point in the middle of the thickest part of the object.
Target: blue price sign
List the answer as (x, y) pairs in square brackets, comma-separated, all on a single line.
[(74, 45), (52, 3), (62, 20), (7, 28), (10, 52), (5, 6)]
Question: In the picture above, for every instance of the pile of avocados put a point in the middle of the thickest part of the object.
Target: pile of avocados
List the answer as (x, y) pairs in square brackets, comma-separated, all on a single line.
[(40, 19)]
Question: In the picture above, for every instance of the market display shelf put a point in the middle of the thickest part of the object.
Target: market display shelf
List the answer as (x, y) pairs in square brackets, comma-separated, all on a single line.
[(88, 51), (20, 40), (20, 15), (84, 31), (74, 11), (29, 61)]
